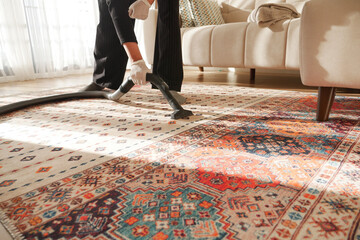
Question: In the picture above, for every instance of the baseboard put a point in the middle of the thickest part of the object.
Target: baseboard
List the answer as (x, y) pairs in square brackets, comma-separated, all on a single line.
[(284, 72)]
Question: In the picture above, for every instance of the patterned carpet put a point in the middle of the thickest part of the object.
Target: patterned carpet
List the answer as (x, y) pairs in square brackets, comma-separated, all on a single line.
[(251, 164)]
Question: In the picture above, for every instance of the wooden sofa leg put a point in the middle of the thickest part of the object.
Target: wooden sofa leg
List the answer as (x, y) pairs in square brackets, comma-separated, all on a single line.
[(326, 96), (201, 69), (252, 75)]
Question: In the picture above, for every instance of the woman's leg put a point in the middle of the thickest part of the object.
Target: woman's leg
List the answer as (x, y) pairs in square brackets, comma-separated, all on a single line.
[(115, 28), (168, 56)]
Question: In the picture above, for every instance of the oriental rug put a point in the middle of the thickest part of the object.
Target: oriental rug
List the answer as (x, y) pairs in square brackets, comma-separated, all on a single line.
[(250, 164)]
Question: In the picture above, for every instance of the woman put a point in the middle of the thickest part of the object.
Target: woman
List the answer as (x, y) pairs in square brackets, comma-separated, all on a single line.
[(116, 43)]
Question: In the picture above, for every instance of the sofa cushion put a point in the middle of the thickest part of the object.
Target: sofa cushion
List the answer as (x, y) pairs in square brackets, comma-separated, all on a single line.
[(185, 14), (225, 50), (292, 45), (298, 4), (236, 15), (206, 12), (260, 2), (239, 4), (265, 47), (196, 45)]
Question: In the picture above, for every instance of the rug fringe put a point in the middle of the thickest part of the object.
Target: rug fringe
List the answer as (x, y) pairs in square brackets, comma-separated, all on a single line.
[(10, 227)]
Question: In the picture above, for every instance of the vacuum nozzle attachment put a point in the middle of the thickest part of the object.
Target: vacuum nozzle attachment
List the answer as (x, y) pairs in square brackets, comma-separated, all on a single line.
[(125, 87), (179, 112)]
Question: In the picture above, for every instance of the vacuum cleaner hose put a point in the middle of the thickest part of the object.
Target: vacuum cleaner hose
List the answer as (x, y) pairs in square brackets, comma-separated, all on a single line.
[(27, 103), (125, 87)]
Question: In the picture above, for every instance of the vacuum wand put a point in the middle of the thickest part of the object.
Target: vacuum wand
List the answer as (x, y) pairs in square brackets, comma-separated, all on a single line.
[(125, 87)]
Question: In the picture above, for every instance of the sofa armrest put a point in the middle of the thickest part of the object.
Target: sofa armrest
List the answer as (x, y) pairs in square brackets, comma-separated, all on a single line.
[(145, 34), (329, 43)]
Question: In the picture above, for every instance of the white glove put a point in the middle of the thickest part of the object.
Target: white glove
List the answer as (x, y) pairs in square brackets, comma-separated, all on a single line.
[(139, 9), (138, 72)]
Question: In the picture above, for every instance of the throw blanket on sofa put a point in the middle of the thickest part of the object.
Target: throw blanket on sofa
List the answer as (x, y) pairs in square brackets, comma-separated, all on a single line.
[(268, 14)]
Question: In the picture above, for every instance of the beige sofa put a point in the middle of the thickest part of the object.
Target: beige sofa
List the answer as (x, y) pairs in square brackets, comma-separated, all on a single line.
[(330, 49), (238, 43)]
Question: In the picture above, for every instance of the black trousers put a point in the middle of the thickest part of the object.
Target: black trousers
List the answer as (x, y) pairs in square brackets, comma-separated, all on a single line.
[(168, 56), (116, 27)]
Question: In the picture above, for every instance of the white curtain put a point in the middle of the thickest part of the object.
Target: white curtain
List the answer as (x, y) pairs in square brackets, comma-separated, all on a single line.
[(46, 38)]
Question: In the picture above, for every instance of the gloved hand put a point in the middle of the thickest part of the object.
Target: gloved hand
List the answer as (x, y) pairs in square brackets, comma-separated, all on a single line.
[(139, 9), (138, 72)]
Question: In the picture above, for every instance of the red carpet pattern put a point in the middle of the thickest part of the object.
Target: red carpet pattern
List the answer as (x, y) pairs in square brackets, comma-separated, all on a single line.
[(251, 164)]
